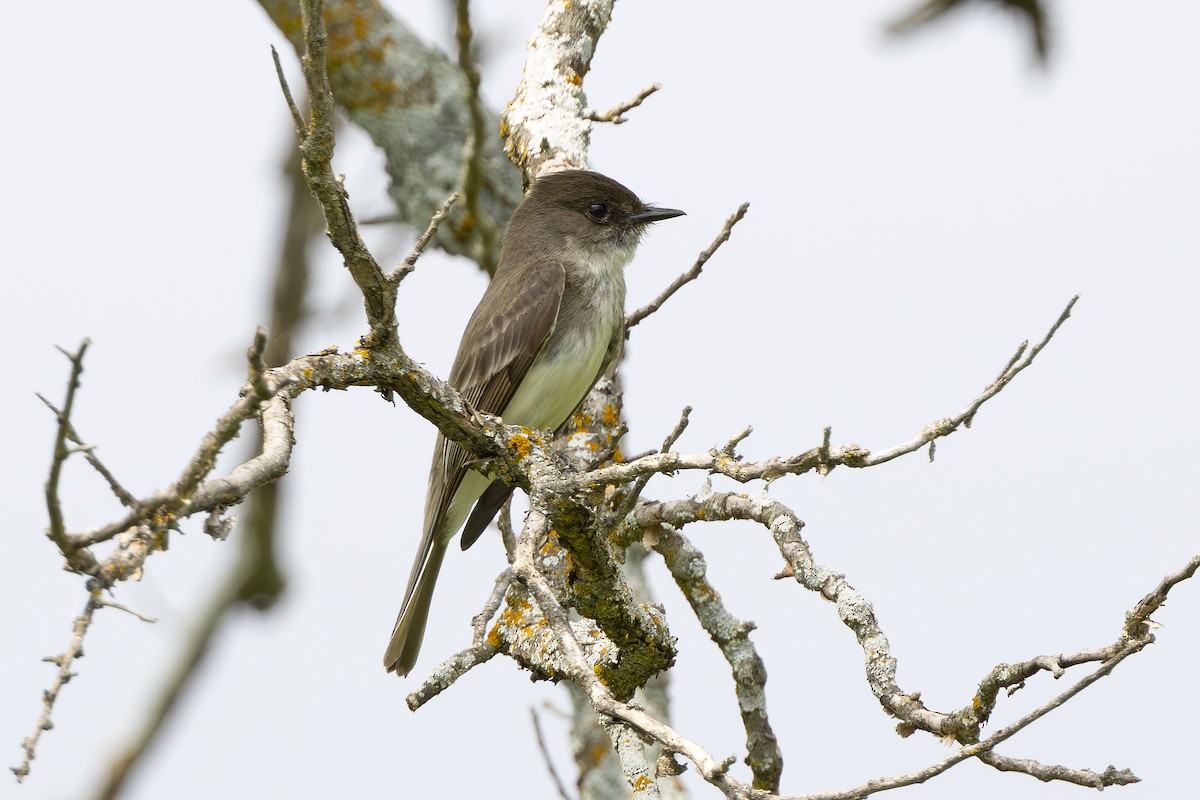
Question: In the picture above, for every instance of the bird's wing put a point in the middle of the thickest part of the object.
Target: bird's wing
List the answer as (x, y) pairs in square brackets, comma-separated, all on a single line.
[(505, 337), (494, 496)]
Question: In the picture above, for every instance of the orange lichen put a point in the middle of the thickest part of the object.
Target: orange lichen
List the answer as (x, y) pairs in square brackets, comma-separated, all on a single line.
[(611, 416)]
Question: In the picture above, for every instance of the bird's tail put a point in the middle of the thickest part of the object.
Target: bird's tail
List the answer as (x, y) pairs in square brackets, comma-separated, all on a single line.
[(402, 651)]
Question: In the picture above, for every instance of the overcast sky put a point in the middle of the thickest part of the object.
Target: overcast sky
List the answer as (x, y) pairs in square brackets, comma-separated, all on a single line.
[(918, 208)]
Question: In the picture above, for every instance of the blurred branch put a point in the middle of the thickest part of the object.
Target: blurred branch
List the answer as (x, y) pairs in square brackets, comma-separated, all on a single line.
[(488, 254), (409, 97), (1033, 12)]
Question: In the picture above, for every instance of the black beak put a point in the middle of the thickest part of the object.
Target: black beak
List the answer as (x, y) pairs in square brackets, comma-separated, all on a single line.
[(651, 214)]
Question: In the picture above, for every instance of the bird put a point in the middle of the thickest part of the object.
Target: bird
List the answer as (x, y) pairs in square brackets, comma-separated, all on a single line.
[(550, 323)]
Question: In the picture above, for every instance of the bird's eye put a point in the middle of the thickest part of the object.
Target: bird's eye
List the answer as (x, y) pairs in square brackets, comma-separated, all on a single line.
[(598, 212)]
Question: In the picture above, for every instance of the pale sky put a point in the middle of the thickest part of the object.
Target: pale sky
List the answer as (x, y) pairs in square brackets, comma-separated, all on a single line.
[(918, 208)]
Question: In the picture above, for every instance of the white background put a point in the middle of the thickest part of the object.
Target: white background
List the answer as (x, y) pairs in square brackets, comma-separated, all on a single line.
[(917, 209)]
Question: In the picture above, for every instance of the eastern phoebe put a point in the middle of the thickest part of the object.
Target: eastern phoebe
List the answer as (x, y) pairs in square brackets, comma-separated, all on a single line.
[(549, 325)]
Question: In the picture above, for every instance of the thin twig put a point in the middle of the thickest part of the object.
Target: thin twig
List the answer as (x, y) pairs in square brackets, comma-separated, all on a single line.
[(410, 261), (615, 115), (822, 458), (639, 485), (63, 661), (541, 742), (297, 117), (691, 274), (504, 523), (480, 621), (316, 146), (728, 449), (78, 559), (170, 693), (974, 750), (256, 368), (89, 453), (106, 603)]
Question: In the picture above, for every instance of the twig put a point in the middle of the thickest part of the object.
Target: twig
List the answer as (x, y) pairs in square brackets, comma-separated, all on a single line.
[(106, 603), (639, 485), (64, 661), (78, 559), (123, 764), (316, 147), (481, 650), (297, 117), (504, 523), (1056, 772), (974, 750), (576, 664), (256, 369), (1137, 621), (445, 674), (89, 453), (410, 261), (857, 614), (541, 742), (479, 621), (729, 448), (691, 274), (821, 458), (615, 115)]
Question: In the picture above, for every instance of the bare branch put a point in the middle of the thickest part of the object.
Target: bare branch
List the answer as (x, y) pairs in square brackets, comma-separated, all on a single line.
[(89, 453), (639, 485), (615, 115), (78, 559), (1137, 621), (257, 365), (732, 636), (1055, 772), (410, 260), (64, 662), (975, 750), (316, 147), (541, 742), (691, 274), (821, 458), (858, 615), (445, 674), (297, 117), (491, 606)]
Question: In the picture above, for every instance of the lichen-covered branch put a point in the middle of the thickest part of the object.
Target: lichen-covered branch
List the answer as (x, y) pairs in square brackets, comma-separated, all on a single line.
[(686, 565), (545, 127)]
